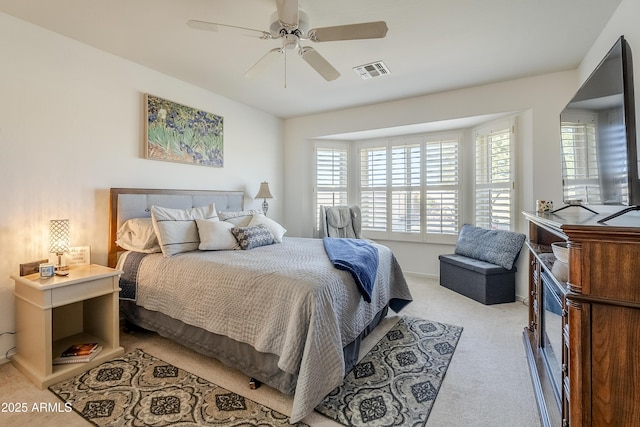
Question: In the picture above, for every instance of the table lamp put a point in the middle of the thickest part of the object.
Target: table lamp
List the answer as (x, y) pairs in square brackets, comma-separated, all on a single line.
[(265, 194), (59, 239)]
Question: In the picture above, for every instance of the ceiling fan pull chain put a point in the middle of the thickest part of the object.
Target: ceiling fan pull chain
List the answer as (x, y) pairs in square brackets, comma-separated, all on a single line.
[(285, 68)]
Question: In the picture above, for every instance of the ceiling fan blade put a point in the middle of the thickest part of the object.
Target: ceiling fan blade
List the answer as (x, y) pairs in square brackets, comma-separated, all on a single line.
[(263, 63), (365, 30), (318, 63), (288, 13), (213, 26)]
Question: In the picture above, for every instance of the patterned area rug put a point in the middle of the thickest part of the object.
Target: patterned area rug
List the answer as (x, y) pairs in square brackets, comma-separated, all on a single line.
[(138, 389), (397, 382)]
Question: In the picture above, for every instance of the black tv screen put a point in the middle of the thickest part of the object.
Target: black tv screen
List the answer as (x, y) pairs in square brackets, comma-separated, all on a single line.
[(599, 151)]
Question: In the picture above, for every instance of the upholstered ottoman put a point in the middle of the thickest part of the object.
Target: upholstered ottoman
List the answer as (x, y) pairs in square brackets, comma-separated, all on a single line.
[(479, 280), (482, 267)]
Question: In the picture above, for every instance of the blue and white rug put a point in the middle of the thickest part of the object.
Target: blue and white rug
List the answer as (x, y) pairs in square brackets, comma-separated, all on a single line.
[(138, 389), (397, 382)]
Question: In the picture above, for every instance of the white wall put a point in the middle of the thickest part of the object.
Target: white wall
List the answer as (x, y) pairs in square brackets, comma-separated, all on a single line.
[(71, 127)]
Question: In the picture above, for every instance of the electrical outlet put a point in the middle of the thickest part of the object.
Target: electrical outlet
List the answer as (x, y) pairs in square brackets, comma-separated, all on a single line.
[(31, 267)]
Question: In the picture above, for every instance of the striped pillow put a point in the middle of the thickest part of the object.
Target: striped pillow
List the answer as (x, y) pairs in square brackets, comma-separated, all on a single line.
[(176, 228)]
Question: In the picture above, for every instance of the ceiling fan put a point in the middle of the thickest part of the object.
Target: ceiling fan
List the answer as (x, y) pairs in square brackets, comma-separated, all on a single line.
[(290, 25)]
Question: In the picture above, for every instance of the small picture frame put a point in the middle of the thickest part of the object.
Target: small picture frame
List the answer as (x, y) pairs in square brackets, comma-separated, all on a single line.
[(78, 255)]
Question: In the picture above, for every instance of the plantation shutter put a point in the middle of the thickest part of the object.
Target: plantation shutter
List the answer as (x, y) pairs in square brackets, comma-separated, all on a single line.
[(410, 187), (373, 188), (405, 188), (331, 177), (442, 187), (493, 181)]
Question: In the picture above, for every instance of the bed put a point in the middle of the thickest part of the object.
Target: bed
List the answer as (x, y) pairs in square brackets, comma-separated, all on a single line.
[(280, 313)]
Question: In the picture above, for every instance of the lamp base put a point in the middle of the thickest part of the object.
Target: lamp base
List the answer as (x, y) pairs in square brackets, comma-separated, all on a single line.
[(265, 207), (59, 266)]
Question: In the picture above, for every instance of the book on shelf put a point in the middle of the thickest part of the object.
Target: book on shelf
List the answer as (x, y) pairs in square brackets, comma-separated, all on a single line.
[(83, 349), (78, 358)]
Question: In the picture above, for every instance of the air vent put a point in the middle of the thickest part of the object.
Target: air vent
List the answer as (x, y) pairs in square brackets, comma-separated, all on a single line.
[(375, 69)]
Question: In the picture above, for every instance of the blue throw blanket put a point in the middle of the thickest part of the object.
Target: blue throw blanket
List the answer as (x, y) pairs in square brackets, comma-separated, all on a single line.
[(359, 257)]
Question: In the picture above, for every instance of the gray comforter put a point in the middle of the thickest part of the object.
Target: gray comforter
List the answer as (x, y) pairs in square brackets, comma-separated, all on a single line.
[(285, 299)]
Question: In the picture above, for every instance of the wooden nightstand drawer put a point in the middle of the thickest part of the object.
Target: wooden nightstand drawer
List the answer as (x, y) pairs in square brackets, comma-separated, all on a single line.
[(90, 289)]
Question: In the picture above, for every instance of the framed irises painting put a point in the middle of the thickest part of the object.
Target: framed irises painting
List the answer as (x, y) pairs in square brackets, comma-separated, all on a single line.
[(177, 133)]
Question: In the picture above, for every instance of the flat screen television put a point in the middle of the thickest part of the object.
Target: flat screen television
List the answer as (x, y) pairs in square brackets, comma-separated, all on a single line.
[(599, 148)]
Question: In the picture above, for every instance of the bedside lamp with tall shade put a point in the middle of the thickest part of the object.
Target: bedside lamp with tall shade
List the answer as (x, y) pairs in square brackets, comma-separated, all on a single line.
[(59, 240), (265, 194)]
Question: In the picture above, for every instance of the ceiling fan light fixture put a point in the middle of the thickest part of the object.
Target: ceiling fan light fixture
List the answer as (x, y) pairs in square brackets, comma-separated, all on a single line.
[(374, 69), (290, 41)]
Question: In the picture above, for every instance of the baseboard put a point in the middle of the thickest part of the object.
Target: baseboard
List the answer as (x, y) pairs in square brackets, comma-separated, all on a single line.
[(422, 275)]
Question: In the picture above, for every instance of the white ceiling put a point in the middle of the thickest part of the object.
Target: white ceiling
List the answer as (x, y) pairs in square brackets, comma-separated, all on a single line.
[(431, 46)]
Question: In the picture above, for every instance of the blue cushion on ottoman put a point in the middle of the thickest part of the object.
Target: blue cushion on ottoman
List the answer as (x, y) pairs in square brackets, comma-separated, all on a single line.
[(495, 246)]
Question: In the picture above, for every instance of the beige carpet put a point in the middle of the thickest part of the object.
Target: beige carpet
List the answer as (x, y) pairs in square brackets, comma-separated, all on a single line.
[(487, 383)]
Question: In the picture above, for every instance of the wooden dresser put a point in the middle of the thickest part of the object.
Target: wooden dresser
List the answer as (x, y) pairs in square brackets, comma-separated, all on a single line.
[(590, 374)]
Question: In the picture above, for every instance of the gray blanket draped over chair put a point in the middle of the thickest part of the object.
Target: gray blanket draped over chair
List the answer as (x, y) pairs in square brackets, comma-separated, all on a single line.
[(340, 221)]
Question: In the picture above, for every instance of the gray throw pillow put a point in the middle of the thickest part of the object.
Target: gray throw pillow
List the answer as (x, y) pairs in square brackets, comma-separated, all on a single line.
[(498, 247), (253, 237)]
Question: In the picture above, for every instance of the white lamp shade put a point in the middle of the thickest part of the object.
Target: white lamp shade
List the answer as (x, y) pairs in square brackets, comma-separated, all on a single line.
[(264, 192), (59, 236)]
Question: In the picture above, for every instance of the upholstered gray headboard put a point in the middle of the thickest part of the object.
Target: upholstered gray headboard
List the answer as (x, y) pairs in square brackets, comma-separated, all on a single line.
[(127, 203)]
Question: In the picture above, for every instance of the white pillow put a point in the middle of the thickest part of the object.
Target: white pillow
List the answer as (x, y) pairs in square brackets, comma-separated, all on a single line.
[(176, 228), (238, 218), (137, 235), (276, 229), (216, 235)]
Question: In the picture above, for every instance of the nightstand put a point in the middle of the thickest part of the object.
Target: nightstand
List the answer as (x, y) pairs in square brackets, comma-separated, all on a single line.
[(53, 313)]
